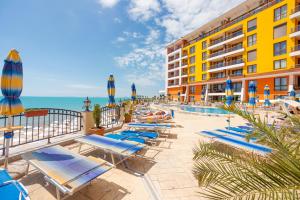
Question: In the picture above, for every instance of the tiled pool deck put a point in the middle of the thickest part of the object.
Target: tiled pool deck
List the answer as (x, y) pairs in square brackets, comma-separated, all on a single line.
[(168, 177)]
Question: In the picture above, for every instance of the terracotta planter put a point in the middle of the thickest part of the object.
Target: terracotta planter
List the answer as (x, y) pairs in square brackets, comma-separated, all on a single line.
[(97, 131), (127, 118), (36, 113)]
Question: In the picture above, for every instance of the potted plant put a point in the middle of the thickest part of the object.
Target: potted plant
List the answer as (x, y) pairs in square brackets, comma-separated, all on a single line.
[(128, 117), (99, 130)]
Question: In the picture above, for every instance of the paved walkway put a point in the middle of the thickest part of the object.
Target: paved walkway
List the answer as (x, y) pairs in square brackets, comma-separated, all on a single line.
[(168, 177)]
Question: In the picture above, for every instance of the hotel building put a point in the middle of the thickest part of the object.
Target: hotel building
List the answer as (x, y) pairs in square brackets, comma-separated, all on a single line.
[(259, 40)]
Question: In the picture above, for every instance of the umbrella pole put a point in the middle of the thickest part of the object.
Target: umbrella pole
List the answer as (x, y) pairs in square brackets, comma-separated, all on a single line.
[(7, 141)]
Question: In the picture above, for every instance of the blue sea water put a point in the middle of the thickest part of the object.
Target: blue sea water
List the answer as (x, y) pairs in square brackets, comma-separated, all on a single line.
[(70, 103)]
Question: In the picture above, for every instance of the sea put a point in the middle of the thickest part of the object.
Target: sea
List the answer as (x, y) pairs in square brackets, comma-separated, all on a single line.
[(69, 103)]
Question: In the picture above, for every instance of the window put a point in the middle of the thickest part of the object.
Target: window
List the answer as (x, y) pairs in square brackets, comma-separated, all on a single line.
[(192, 89), (251, 56), (203, 77), (237, 87), (280, 64), (251, 69), (192, 60), (192, 70), (280, 13), (280, 84), (279, 31), (251, 25), (237, 72), (251, 40), (204, 67), (204, 55), (192, 98), (204, 45), (280, 48), (192, 49), (192, 78)]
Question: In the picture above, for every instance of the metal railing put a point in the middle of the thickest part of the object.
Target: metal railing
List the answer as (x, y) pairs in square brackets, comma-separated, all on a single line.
[(296, 48), (296, 9), (237, 47), (56, 122), (296, 29), (235, 34), (110, 116), (224, 64)]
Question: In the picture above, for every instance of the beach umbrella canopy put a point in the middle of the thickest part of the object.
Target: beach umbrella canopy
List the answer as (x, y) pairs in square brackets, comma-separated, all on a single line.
[(267, 95), (252, 93), (12, 85), (111, 91), (133, 92), (292, 94), (229, 92)]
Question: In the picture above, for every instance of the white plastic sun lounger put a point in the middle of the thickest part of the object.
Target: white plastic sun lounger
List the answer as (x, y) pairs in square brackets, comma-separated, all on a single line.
[(67, 171), (125, 149)]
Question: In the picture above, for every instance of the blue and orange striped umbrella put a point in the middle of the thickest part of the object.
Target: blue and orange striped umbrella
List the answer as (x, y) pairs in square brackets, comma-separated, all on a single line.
[(267, 102), (203, 95), (111, 91), (133, 92), (12, 85), (229, 92), (252, 94), (292, 94)]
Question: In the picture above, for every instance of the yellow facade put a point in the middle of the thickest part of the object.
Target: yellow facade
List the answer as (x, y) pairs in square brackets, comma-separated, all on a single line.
[(264, 46)]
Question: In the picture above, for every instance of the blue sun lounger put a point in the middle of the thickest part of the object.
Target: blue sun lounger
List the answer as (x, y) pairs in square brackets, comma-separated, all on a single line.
[(11, 189), (236, 129), (148, 125), (236, 142), (125, 149), (145, 134), (66, 170), (235, 134), (126, 137)]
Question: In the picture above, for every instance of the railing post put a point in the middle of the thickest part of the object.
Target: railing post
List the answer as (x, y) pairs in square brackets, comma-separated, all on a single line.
[(88, 121)]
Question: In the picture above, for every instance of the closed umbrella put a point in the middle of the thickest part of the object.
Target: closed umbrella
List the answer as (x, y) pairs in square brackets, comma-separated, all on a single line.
[(292, 94), (229, 92), (133, 92), (252, 94), (267, 102), (229, 96), (111, 91), (203, 95), (11, 87)]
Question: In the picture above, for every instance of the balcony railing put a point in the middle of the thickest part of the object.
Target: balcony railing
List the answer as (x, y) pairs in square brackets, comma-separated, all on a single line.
[(226, 38), (296, 9), (237, 47), (224, 64), (296, 29), (216, 90), (216, 77), (295, 48)]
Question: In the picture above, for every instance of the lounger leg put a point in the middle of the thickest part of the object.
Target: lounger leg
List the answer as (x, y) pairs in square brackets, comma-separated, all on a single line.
[(57, 194), (27, 169), (79, 149), (113, 159)]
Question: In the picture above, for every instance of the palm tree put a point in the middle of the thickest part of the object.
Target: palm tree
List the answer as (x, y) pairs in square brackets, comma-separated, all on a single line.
[(225, 172)]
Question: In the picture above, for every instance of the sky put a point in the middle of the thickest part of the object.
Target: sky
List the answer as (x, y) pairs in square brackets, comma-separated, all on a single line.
[(70, 47)]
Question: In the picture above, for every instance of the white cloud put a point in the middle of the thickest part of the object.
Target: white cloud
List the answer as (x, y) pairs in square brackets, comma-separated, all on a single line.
[(184, 16), (117, 20), (146, 64), (120, 39), (108, 3), (143, 10), (132, 34)]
